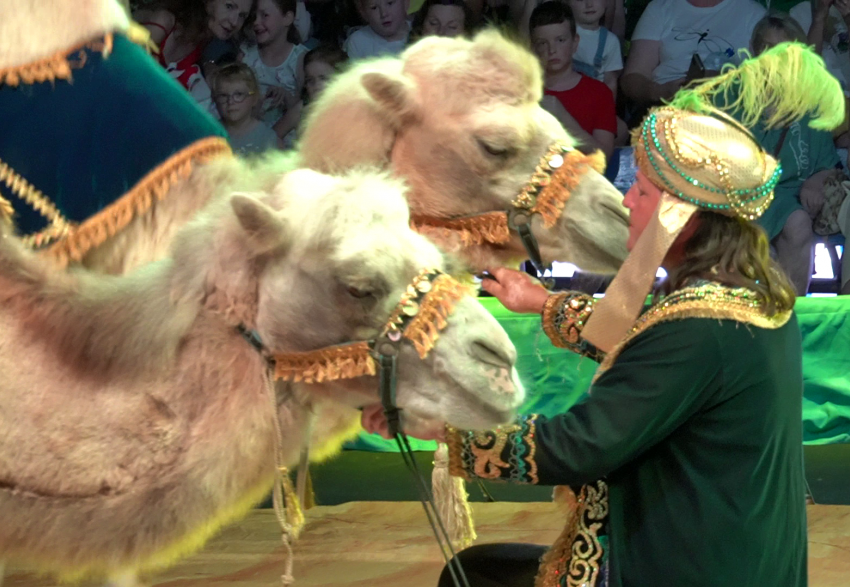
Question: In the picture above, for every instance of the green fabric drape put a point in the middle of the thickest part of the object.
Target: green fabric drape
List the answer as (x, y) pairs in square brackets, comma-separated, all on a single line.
[(555, 379)]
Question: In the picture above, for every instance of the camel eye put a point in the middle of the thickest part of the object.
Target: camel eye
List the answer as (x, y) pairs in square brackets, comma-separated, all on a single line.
[(358, 293), (492, 150)]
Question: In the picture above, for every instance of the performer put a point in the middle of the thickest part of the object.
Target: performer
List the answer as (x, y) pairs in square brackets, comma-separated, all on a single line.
[(694, 419), (92, 131)]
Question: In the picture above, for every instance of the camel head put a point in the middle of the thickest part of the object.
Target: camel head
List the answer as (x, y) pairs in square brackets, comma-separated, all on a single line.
[(460, 120), (318, 264)]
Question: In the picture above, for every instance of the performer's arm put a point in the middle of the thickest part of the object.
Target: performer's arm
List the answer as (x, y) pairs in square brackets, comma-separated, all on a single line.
[(662, 379)]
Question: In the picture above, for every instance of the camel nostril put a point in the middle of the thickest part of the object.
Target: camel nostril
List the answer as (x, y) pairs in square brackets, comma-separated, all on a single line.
[(493, 354)]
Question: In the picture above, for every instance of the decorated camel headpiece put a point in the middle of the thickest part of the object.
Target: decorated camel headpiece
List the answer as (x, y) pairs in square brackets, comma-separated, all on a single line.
[(703, 159)]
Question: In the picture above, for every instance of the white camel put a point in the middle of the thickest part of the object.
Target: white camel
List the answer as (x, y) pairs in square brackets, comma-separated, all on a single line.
[(136, 419), (460, 120)]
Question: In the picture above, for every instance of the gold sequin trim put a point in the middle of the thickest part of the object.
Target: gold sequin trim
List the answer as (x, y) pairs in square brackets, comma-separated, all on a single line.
[(574, 560), (706, 301)]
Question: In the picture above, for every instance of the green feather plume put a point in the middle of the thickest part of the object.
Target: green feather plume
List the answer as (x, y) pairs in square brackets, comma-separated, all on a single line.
[(780, 86)]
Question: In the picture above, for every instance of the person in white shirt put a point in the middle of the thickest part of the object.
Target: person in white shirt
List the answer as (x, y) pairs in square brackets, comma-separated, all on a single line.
[(670, 32), (598, 54), (386, 31)]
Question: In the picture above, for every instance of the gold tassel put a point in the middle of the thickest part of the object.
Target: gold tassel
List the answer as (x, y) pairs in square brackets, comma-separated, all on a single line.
[(6, 211), (450, 499)]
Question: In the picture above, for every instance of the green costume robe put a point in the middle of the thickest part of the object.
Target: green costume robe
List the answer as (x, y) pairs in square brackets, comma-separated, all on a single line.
[(695, 422)]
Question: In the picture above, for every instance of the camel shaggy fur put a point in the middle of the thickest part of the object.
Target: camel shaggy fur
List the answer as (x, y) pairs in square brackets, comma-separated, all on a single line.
[(460, 120), (136, 420)]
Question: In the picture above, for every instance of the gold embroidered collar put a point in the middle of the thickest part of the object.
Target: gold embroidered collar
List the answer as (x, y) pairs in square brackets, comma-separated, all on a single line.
[(705, 300)]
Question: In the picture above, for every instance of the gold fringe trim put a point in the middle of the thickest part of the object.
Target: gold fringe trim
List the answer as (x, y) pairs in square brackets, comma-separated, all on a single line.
[(489, 227), (327, 364), (142, 37), (57, 66), (57, 225), (150, 189), (557, 189), (424, 330)]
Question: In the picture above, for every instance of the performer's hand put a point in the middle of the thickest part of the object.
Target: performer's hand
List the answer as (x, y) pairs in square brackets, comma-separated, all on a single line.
[(518, 291), (276, 97)]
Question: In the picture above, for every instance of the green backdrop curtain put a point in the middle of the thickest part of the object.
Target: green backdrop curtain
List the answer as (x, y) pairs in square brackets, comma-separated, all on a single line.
[(555, 379)]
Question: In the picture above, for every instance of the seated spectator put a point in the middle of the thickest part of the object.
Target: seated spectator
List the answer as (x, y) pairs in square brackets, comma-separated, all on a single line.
[(278, 62), (584, 106), (808, 159), (598, 54), (825, 23), (236, 94), (182, 31), (670, 32), (320, 65), (386, 30), (444, 18)]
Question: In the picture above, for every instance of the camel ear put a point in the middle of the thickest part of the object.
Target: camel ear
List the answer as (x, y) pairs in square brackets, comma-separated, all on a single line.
[(395, 95), (264, 228)]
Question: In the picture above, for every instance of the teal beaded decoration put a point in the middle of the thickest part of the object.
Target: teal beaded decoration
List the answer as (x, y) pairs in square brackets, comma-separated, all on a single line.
[(748, 203)]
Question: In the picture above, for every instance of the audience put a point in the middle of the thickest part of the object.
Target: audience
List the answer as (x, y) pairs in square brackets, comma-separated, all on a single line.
[(670, 32), (386, 31), (237, 94), (320, 65), (278, 62), (444, 18), (598, 54), (584, 106), (182, 30), (578, 43)]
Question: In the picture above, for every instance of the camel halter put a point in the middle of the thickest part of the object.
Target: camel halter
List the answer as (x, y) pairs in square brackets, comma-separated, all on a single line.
[(417, 319), (557, 174)]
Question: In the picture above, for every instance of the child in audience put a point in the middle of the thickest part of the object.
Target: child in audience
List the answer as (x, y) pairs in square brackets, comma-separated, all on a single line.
[(320, 64), (445, 18), (598, 54), (278, 62), (386, 31), (583, 105), (236, 94)]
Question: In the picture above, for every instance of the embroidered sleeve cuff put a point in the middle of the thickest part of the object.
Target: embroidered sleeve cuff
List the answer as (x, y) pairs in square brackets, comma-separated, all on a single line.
[(564, 316), (504, 453)]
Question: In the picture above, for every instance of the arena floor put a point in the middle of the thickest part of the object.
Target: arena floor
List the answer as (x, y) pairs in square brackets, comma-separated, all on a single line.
[(384, 544)]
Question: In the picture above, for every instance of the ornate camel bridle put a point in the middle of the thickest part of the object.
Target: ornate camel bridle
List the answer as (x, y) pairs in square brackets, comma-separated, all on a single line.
[(418, 318), (557, 174)]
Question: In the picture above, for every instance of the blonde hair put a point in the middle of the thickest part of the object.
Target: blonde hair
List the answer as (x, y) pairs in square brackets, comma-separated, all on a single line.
[(239, 72), (776, 21), (737, 253)]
